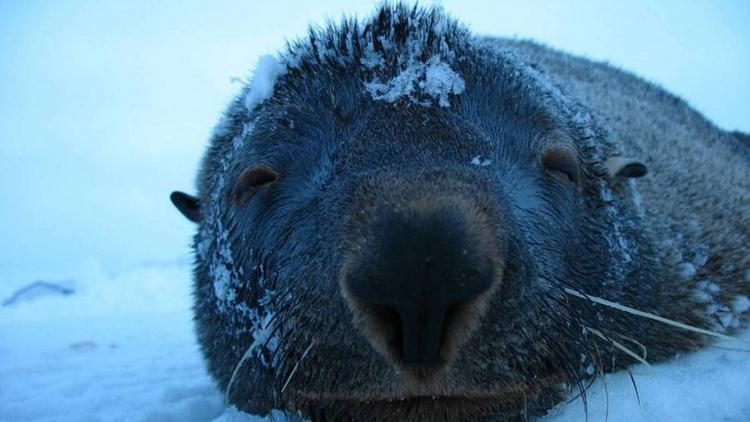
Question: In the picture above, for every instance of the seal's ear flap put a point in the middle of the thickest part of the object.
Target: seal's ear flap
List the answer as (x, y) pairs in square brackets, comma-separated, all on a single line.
[(188, 205), (622, 167)]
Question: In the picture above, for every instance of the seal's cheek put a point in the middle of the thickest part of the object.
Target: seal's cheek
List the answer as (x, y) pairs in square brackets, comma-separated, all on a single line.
[(419, 279)]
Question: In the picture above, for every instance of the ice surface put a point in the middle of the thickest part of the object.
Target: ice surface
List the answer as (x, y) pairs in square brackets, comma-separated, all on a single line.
[(123, 348), (711, 385)]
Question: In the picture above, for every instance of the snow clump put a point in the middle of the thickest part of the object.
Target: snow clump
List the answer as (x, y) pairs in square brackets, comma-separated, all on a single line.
[(261, 85), (434, 79)]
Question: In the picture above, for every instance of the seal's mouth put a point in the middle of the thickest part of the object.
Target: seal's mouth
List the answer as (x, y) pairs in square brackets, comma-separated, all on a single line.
[(464, 404), (503, 395), (413, 408)]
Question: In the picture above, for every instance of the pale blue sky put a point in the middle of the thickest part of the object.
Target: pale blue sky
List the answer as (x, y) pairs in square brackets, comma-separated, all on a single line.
[(105, 106)]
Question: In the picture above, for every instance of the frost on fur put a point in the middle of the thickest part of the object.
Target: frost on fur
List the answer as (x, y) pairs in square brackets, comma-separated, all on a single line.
[(433, 79), (401, 54)]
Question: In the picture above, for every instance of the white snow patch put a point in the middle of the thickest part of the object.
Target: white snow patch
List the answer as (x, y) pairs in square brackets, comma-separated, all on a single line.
[(221, 268), (434, 79), (261, 86), (223, 286), (440, 80), (481, 162)]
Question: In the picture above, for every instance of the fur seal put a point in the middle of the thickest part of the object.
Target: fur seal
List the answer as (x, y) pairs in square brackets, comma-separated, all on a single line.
[(399, 220)]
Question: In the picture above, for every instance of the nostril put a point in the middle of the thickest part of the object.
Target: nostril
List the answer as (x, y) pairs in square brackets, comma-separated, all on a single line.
[(422, 332), (413, 336), (388, 323)]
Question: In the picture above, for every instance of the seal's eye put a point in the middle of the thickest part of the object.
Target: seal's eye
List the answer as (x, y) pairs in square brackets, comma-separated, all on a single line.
[(562, 164), (250, 181)]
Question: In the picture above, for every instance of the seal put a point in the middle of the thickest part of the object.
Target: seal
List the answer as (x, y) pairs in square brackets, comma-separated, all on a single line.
[(399, 220)]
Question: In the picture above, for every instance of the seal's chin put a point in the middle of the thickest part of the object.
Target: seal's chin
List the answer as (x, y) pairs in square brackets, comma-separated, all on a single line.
[(413, 408)]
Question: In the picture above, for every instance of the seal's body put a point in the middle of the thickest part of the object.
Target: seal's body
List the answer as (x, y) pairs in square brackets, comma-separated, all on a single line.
[(399, 220)]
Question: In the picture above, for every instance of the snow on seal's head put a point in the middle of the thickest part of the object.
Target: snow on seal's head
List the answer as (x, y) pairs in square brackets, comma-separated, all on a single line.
[(401, 55), (392, 217)]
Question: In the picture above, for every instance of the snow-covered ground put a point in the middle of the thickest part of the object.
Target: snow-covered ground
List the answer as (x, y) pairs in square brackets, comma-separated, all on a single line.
[(122, 349), (105, 108)]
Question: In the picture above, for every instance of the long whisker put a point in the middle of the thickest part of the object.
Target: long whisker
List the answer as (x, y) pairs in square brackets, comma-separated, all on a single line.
[(600, 370), (258, 341), (237, 367), (296, 366), (651, 316), (731, 349), (635, 388)]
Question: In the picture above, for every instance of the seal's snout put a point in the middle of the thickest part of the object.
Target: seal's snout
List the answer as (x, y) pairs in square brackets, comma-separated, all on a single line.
[(418, 278)]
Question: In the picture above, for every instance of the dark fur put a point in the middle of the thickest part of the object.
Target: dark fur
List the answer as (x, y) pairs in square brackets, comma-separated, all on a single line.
[(338, 152)]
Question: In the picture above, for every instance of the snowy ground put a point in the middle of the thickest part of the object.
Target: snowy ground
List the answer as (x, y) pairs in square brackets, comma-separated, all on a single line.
[(122, 349)]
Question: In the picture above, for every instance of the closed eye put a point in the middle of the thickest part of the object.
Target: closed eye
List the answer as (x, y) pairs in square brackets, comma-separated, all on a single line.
[(562, 164), (250, 181)]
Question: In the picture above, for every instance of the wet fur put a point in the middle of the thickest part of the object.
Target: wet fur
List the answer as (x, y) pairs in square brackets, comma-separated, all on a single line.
[(327, 138)]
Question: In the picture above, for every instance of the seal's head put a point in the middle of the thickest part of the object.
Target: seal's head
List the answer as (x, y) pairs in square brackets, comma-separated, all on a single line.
[(389, 215)]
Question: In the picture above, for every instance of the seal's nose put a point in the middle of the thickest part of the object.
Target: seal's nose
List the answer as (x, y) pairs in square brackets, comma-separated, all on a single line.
[(420, 270)]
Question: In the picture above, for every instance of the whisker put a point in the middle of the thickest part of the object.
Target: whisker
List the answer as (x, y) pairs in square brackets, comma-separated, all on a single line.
[(600, 370), (257, 341), (731, 349), (296, 366), (635, 388), (618, 345), (237, 367), (637, 343), (651, 316)]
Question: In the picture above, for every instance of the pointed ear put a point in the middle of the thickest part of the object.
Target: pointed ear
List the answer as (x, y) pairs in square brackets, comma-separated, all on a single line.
[(622, 167), (188, 205)]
